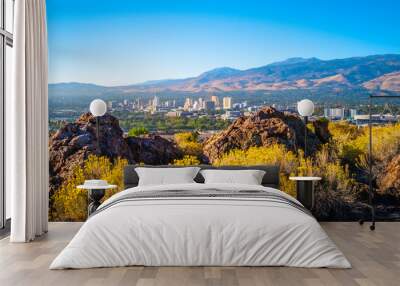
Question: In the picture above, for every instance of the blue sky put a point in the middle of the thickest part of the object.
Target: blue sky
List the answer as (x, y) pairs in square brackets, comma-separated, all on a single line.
[(125, 41)]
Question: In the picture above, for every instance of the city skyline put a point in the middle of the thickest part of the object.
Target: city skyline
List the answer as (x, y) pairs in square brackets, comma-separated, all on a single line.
[(108, 43)]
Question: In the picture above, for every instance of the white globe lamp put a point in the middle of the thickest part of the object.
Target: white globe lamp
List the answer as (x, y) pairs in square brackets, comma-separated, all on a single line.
[(305, 108), (98, 108)]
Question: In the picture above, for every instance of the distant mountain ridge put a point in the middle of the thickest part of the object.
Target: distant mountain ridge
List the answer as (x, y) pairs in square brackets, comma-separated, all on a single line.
[(389, 81), (370, 72)]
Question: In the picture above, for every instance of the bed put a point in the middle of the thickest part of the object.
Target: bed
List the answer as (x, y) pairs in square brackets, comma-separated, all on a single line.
[(201, 224)]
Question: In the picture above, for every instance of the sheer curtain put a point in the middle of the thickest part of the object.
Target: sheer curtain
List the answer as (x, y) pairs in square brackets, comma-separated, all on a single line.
[(27, 125)]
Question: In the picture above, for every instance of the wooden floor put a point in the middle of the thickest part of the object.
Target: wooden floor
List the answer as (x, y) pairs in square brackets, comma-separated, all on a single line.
[(375, 257)]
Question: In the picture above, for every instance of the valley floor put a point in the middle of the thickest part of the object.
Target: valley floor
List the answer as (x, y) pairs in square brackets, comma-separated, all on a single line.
[(375, 257)]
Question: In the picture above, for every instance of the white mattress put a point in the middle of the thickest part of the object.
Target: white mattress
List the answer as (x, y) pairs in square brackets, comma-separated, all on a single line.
[(202, 232)]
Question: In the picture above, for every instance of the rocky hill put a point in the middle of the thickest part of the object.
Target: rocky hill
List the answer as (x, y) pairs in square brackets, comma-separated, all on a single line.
[(267, 126), (73, 143)]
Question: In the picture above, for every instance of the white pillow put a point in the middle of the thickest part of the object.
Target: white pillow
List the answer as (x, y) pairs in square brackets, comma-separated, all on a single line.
[(166, 176), (248, 177)]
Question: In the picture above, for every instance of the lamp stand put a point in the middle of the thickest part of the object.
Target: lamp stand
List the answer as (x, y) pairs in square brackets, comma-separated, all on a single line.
[(305, 135), (98, 134)]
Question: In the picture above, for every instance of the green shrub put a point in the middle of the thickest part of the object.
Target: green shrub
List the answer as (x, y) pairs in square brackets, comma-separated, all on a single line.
[(137, 131)]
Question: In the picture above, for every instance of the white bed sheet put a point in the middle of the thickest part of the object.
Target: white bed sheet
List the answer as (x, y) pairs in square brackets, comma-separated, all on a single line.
[(200, 232)]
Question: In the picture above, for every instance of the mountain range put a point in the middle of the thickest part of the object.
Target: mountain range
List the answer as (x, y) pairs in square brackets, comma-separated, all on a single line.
[(370, 72)]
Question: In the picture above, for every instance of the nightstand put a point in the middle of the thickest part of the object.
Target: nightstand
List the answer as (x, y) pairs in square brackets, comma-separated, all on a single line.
[(95, 194), (305, 190)]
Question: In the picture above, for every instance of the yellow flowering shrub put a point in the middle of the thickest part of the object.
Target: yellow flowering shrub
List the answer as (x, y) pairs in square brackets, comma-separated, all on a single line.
[(275, 154), (188, 143), (323, 164), (70, 203), (385, 139), (343, 135), (352, 142), (187, 160), (186, 137), (344, 131)]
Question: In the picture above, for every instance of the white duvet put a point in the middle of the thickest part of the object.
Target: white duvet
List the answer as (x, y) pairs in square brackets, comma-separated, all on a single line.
[(200, 231)]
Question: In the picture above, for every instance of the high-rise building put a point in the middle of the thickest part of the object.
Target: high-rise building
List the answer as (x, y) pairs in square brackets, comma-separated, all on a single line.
[(215, 99), (139, 104), (227, 103), (201, 103), (156, 102), (125, 102), (188, 104)]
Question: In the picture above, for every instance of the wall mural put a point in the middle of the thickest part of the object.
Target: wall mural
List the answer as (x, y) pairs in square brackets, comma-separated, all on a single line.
[(172, 100)]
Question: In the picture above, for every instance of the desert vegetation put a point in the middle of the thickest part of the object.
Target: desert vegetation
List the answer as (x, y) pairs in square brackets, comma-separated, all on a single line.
[(70, 203), (138, 131), (188, 143), (342, 162), (336, 178), (129, 120)]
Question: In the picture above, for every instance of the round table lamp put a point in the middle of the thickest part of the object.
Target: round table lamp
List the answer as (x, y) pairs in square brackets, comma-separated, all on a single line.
[(305, 108)]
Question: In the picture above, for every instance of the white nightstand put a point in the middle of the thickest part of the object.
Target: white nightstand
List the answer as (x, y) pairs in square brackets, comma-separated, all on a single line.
[(95, 194), (305, 190)]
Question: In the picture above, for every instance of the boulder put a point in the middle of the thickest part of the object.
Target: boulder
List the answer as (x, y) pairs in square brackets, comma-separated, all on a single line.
[(153, 150), (322, 130), (266, 127)]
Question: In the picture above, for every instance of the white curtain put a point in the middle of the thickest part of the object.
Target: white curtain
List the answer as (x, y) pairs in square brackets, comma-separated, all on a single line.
[(27, 125)]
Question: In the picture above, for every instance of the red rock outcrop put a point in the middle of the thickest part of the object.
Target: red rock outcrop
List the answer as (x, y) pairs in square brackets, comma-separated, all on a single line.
[(73, 143), (265, 127)]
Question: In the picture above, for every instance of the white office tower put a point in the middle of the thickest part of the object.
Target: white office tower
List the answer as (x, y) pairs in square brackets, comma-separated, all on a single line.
[(156, 102), (196, 105), (215, 99), (188, 104), (125, 102), (227, 102)]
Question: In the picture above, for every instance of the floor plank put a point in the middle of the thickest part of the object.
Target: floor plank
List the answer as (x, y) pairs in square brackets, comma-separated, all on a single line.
[(375, 257)]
